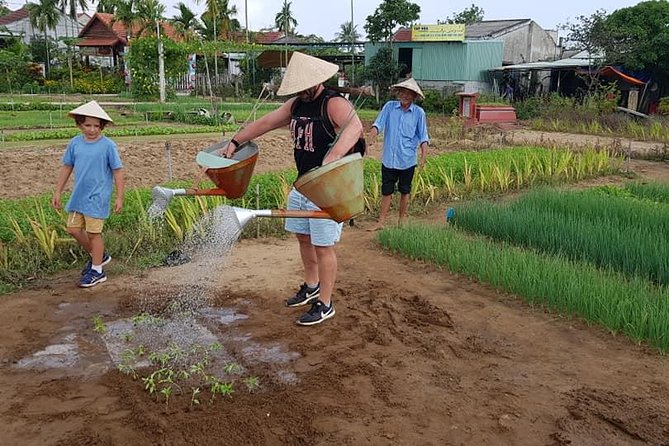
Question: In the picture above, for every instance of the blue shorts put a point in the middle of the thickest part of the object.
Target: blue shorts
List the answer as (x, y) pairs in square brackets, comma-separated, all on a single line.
[(323, 232)]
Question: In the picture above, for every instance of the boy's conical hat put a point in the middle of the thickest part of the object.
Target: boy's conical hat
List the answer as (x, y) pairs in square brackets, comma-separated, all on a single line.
[(305, 72), (410, 84), (91, 109)]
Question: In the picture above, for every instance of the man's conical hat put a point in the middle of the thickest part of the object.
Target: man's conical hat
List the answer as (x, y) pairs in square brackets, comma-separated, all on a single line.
[(304, 72)]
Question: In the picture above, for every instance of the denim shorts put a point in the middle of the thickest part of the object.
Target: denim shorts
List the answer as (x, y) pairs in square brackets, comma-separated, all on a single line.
[(323, 232)]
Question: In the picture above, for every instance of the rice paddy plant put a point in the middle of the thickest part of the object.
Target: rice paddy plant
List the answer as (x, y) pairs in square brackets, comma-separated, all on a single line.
[(621, 304), (607, 231)]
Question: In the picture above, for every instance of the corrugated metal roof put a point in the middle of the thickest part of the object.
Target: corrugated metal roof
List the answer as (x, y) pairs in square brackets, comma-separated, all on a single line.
[(492, 28), (486, 29)]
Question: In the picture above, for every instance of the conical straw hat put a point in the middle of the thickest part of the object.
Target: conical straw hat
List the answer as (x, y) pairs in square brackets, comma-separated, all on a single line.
[(91, 109), (305, 72), (410, 84)]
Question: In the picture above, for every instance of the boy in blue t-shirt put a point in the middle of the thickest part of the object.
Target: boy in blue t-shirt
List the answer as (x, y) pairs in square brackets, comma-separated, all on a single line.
[(95, 162)]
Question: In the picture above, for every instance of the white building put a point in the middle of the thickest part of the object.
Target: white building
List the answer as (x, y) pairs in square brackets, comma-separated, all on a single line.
[(17, 23)]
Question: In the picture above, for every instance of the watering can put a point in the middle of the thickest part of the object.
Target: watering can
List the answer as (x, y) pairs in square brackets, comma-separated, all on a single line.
[(336, 188)]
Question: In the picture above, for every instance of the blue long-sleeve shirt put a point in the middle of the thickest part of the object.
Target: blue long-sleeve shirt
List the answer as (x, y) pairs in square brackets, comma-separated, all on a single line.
[(403, 133)]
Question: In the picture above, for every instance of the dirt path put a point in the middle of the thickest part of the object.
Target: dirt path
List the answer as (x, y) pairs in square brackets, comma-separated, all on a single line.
[(414, 355)]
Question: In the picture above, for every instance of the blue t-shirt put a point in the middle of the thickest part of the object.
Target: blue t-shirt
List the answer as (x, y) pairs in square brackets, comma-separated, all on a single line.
[(93, 163), (403, 132)]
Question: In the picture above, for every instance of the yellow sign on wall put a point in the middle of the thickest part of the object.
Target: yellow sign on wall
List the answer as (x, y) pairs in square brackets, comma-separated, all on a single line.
[(438, 33)]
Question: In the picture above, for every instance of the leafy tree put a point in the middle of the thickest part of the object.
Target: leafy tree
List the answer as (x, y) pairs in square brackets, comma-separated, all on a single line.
[(284, 19), (587, 33), (637, 37), (143, 63), (382, 69), (467, 16), (387, 17), (107, 6), (14, 58), (3, 8), (69, 7)]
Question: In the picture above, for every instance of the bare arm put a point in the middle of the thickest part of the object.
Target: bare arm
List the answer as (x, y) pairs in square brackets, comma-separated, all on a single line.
[(278, 118), (63, 176), (347, 123), (423, 154), (120, 189)]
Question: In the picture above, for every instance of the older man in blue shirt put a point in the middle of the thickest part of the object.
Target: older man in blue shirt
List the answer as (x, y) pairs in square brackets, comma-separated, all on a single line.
[(404, 128)]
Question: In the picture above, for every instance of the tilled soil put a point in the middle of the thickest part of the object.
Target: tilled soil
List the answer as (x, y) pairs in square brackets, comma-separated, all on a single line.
[(415, 355)]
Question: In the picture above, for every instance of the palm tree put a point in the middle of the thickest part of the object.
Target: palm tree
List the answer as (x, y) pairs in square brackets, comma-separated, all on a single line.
[(284, 19), (44, 15), (69, 7), (348, 33), (107, 6), (186, 21), (149, 13), (219, 15)]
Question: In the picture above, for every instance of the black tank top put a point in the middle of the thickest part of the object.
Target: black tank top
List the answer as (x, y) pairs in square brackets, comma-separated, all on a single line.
[(312, 131)]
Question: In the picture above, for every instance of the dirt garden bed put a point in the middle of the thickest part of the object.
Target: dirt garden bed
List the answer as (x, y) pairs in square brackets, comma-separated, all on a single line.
[(415, 354)]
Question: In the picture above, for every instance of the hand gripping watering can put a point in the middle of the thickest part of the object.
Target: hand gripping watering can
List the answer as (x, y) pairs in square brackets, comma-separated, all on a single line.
[(336, 188)]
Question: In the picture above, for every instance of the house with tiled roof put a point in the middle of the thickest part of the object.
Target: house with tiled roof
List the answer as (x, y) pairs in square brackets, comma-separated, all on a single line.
[(105, 37), (17, 24)]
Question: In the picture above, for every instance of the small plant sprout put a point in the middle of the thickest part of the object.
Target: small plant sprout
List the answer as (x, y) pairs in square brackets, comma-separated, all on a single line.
[(252, 383), (232, 368), (98, 325), (128, 336), (215, 346), (166, 391), (193, 396), (127, 369)]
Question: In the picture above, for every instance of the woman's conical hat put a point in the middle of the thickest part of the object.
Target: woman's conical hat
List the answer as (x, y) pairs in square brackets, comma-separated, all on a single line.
[(91, 109), (305, 72)]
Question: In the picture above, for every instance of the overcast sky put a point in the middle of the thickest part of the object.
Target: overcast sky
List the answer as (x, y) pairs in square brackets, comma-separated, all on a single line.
[(324, 17)]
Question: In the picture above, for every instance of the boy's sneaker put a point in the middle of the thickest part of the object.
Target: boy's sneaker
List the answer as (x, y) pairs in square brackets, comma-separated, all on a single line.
[(304, 296), (317, 314), (92, 278), (106, 258)]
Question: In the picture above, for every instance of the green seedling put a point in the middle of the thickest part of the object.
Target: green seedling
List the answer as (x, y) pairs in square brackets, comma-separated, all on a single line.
[(127, 370), (128, 336), (162, 358), (166, 391), (215, 346), (252, 383), (232, 368), (98, 325), (193, 397)]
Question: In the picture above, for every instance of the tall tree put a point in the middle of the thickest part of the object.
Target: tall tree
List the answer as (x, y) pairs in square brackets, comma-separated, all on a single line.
[(467, 16), (390, 14), (44, 15), (186, 22), (637, 37), (348, 32), (107, 6), (284, 19)]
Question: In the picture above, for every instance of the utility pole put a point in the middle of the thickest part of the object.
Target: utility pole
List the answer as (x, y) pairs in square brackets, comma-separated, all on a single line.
[(161, 64), (352, 48), (246, 14)]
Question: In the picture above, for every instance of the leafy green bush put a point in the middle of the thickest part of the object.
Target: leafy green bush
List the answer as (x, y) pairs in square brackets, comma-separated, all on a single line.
[(436, 102)]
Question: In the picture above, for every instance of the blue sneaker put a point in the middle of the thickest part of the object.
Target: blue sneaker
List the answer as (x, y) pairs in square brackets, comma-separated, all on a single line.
[(92, 278), (106, 258)]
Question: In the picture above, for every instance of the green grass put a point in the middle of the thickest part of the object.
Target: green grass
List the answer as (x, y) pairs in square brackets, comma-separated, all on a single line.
[(39, 119), (623, 305)]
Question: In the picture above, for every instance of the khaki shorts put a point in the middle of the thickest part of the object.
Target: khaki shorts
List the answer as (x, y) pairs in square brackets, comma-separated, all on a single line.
[(81, 221)]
